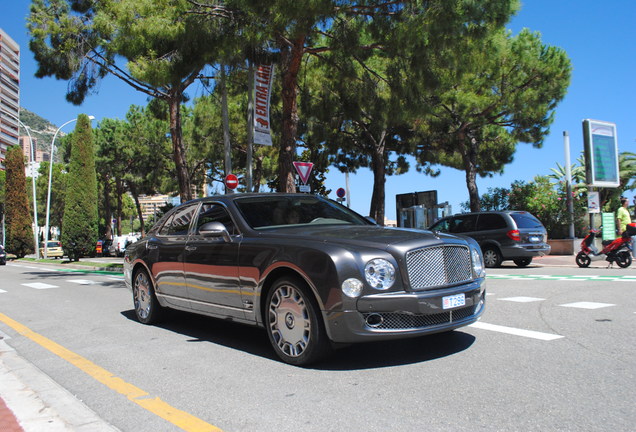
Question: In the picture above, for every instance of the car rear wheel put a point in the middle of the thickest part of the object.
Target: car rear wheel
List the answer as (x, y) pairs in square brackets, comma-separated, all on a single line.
[(583, 260), (523, 262), (147, 307), (492, 257), (294, 326)]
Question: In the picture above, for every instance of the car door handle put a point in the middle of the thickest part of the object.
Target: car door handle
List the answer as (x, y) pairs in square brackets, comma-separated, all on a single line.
[(152, 246), (190, 248)]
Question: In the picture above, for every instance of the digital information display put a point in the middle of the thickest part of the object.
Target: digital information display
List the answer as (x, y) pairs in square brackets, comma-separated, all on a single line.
[(601, 153)]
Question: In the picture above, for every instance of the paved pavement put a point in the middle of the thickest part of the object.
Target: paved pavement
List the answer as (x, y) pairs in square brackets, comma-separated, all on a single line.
[(30, 401)]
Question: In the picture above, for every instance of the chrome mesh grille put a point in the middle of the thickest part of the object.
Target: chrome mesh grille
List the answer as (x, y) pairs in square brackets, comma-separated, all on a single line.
[(438, 266), (404, 321)]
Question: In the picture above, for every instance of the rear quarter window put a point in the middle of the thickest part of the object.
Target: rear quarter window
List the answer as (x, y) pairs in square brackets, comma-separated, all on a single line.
[(526, 220)]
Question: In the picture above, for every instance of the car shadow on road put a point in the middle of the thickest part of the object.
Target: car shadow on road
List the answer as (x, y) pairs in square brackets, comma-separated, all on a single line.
[(374, 355), (368, 355)]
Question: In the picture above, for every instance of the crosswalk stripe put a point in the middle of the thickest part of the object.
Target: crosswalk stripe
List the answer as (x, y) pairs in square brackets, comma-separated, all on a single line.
[(515, 331), (39, 285)]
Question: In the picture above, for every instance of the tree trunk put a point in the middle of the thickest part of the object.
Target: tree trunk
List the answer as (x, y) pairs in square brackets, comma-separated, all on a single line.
[(470, 166), (378, 165), (107, 209), (119, 187), (291, 56), (140, 214), (178, 149)]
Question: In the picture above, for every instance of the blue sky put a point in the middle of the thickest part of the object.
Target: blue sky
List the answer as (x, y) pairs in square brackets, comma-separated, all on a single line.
[(599, 38)]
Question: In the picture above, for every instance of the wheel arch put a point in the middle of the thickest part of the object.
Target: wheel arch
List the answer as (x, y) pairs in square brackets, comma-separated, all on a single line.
[(277, 273)]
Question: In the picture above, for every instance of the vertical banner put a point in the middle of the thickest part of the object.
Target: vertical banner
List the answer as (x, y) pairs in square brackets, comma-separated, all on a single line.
[(263, 77)]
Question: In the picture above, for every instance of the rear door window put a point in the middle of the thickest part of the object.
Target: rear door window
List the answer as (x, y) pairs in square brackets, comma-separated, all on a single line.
[(179, 223), (491, 221)]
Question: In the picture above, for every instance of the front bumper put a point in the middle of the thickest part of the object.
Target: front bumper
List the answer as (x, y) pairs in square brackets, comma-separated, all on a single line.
[(406, 314)]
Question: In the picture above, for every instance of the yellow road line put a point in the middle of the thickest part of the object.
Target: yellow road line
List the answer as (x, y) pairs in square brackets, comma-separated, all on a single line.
[(156, 406)]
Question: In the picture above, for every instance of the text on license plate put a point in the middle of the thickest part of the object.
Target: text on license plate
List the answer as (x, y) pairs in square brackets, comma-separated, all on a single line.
[(453, 301)]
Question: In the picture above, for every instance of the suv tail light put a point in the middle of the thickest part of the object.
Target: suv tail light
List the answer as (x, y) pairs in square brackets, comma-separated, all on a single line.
[(514, 235)]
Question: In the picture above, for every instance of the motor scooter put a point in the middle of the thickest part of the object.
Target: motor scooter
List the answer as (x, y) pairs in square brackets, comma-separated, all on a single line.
[(617, 251)]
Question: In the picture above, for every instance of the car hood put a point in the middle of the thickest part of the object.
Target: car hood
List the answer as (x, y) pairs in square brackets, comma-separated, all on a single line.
[(364, 236)]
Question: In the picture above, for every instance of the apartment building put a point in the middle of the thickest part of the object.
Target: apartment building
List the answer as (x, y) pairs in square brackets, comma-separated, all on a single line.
[(9, 93)]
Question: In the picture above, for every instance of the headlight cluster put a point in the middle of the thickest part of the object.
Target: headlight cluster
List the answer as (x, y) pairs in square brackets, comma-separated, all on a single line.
[(478, 263), (379, 274)]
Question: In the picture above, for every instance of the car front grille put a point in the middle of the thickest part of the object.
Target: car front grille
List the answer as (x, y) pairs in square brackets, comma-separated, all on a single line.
[(404, 321), (438, 266)]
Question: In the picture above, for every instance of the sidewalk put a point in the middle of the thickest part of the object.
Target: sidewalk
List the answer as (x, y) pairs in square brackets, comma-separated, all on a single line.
[(30, 401)]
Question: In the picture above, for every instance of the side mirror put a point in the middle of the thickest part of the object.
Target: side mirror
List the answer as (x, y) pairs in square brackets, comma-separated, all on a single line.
[(215, 229)]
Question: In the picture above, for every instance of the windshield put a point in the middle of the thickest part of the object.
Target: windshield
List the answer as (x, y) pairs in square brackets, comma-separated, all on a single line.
[(294, 210)]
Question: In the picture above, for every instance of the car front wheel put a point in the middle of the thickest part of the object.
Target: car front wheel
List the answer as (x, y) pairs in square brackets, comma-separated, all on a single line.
[(294, 326), (147, 307), (523, 262), (492, 257)]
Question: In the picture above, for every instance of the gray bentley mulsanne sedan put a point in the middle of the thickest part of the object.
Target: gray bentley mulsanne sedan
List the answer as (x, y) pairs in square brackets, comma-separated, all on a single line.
[(310, 271)]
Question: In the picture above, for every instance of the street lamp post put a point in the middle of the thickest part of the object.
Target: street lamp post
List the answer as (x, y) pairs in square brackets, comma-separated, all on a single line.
[(35, 204), (48, 194)]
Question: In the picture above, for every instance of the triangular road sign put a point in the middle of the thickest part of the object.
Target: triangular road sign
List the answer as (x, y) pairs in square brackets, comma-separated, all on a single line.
[(304, 170)]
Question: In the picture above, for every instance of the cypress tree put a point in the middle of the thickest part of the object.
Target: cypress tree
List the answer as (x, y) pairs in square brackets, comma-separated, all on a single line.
[(18, 217), (79, 224)]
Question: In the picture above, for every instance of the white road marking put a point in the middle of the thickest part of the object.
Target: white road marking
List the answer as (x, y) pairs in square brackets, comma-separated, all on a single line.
[(39, 285), (522, 299), (81, 281), (515, 331), (587, 305)]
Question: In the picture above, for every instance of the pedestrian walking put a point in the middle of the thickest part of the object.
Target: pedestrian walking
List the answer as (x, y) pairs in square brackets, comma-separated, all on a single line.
[(622, 219)]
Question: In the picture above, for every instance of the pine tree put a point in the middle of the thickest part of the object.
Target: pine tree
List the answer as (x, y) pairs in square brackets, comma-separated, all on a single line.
[(79, 225), (18, 217)]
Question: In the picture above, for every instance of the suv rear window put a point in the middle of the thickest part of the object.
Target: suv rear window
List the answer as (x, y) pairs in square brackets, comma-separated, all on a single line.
[(526, 220)]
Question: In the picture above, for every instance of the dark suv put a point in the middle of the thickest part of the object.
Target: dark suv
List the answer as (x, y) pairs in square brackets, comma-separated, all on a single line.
[(502, 235)]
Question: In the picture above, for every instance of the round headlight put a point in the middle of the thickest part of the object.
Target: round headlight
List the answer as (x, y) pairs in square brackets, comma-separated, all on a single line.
[(478, 264), (380, 273), (352, 287)]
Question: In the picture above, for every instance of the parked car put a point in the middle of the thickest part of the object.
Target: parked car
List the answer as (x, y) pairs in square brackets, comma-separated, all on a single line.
[(3, 256), (502, 235), (310, 271), (53, 249), (118, 245)]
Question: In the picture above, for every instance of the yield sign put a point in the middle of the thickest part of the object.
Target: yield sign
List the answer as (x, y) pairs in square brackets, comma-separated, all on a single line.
[(303, 169)]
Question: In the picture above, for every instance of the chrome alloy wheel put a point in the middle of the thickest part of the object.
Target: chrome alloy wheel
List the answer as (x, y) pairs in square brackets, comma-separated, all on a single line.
[(289, 321), (142, 296)]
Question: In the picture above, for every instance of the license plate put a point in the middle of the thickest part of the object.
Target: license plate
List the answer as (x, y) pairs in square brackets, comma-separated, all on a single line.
[(535, 239), (453, 301)]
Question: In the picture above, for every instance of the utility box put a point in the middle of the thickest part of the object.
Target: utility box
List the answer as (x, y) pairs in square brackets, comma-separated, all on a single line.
[(419, 209)]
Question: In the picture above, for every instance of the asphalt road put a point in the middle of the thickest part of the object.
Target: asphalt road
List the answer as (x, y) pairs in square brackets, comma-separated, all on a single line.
[(555, 350)]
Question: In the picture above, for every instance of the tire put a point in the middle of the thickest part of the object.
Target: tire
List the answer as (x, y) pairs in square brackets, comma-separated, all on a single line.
[(583, 260), (147, 307), (523, 262), (293, 323), (624, 259), (492, 257)]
